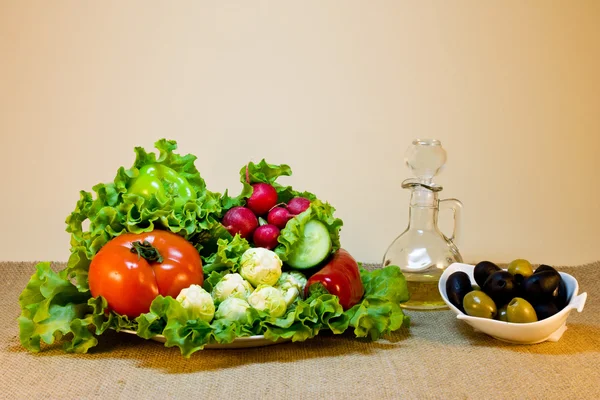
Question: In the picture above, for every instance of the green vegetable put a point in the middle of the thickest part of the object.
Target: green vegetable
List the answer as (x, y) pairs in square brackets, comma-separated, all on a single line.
[(260, 266), (157, 182), (304, 233), (231, 285), (54, 305), (227, 256), (123, 206), (265, 173), (308, 242), (291, 284), (268, 298), (378, 314), (58, 305), (233, 309), (294, 237), (198, 302)]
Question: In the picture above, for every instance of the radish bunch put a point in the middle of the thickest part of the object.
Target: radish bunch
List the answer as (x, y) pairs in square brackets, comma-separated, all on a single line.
[(263, 202)]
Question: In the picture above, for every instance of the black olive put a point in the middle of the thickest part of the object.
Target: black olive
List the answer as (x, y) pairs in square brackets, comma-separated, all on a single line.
[(501, 287), (561, 299), (541, 286), (544, 267), (519, 279), (545, 310), (457, 286), (483, 270)]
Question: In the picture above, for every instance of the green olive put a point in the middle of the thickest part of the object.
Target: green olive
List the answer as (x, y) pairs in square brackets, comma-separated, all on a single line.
[(520, 310), (502, 314), (520, 267), (478, 304)]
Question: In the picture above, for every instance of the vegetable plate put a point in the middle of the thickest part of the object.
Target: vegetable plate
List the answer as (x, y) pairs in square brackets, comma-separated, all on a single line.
[(157, 253)]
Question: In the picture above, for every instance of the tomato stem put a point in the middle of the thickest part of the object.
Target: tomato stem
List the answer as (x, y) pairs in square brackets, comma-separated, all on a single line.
[(146, 251)]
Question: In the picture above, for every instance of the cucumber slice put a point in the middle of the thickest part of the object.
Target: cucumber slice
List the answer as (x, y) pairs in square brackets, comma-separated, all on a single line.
[(312, 248)]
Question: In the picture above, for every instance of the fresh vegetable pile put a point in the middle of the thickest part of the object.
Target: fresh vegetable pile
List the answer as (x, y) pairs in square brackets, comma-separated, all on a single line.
[(163, 255)]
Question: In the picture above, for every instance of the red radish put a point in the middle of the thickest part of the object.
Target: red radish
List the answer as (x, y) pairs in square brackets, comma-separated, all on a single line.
[(240, 220), (298, 205), (279, 216), (263, 198), (266, 236)]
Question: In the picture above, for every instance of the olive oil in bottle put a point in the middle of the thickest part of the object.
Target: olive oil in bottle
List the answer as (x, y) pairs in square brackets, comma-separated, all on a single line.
[(424, 295)]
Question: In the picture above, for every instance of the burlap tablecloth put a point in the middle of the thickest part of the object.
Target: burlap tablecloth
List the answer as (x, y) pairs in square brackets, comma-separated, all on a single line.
[(440, 357)]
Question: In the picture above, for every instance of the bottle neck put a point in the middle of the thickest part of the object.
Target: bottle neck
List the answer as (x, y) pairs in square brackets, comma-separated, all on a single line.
[(423, 212), (422, 218)]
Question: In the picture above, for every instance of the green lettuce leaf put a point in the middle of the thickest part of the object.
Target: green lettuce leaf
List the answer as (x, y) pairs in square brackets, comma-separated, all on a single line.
[(56, 304), (379, 313), (169, 318), (263, 172), (385, 284), (52, 307), (188, 335), (227, 255), (306, 318), (115, 211)]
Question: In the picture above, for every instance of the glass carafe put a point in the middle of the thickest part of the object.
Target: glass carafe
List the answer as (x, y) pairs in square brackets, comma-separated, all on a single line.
[(422, 251)]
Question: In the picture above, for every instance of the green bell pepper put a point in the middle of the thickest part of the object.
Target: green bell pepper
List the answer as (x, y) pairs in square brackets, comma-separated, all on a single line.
[(157, 181)]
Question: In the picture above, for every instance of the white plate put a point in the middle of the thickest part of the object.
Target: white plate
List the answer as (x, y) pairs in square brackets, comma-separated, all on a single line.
[(239, 343), (549, 329)]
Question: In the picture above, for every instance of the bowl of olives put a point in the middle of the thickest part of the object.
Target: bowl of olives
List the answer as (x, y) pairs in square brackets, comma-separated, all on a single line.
[(519, 304)]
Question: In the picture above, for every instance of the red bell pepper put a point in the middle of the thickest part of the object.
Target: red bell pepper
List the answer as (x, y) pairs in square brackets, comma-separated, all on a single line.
[(340, 277)]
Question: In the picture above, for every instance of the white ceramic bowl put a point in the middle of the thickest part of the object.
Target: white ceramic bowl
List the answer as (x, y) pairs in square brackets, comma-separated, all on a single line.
[(549, 329)]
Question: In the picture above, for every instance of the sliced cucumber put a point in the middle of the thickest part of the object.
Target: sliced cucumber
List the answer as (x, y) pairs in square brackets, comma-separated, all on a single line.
[(312, 248)]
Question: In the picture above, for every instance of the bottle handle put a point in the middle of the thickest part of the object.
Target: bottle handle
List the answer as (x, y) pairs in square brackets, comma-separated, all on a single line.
[(456, 207)]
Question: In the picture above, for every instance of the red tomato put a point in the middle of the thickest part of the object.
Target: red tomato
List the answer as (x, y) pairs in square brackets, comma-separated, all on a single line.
[(132, 269)]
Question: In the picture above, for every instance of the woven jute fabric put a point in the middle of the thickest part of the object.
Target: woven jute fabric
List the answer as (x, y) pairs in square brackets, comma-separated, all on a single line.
[(439, 357)]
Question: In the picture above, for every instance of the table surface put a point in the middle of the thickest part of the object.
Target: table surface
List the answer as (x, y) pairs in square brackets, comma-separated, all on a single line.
[(439, 357)]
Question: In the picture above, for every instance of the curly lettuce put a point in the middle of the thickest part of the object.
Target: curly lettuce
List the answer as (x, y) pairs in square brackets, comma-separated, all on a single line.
[(115, 210), (227, 255), (378, 314), (59, 306), (52, 307), (56, 304)]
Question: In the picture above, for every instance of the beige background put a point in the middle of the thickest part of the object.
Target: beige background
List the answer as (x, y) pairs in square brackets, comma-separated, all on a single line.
[(336, 89)]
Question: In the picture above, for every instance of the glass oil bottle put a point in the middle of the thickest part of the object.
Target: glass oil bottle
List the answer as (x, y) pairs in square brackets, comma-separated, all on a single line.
[(422, 251)]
